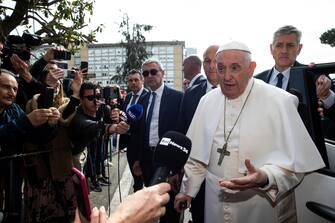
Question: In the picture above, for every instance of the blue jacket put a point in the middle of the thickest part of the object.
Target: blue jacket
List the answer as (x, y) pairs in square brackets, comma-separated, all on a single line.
[(14, 128)]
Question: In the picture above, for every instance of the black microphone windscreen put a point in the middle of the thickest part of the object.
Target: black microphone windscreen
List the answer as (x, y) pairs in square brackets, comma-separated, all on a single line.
[(172, 151), (134, 113)]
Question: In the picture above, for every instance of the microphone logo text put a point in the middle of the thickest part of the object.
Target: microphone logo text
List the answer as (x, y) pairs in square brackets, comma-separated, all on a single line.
[(167, 141)]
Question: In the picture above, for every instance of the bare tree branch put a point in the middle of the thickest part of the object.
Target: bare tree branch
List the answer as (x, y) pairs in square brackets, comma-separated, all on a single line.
[(11, 22), (37, 14), (5, 7)]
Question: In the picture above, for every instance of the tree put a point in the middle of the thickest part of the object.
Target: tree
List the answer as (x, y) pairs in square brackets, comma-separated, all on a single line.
[(328, 37), (58, 21), (134, 43)]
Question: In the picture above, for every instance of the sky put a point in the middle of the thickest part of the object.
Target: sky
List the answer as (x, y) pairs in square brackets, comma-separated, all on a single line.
[(207, 22)]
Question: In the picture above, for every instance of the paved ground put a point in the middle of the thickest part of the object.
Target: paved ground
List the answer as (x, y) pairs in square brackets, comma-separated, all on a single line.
[(110, 196), (116, 172)]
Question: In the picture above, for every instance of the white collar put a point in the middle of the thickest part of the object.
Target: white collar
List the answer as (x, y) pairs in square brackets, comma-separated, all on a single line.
[(275, 72)]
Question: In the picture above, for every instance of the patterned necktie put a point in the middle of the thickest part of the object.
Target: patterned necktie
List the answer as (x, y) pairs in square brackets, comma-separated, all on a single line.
[(149, 116), (280, 80)]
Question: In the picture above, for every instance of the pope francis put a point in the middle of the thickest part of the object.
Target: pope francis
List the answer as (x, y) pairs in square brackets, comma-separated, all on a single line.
[(249, 143)]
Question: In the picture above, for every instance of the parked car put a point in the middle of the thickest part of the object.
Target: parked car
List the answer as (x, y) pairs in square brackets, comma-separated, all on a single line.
[(315, 196)]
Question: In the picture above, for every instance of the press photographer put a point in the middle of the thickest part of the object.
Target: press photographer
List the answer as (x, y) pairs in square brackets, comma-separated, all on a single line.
[(19, 45), (16, 57), (86, 129)]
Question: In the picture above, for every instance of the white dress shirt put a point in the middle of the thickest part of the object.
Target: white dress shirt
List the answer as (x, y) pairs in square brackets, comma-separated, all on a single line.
[(153, 134)]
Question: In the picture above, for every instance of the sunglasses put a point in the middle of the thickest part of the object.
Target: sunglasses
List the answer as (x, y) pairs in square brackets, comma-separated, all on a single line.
[(153, 72), (92, 97)]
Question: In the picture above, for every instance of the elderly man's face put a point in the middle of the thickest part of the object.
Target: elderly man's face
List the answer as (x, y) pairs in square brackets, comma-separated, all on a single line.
[(285, 50), (234, 71), (8, 90), (210, 65)]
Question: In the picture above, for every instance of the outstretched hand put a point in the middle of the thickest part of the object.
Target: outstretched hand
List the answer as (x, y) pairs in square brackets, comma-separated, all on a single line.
[(144, 206), (254, 178)]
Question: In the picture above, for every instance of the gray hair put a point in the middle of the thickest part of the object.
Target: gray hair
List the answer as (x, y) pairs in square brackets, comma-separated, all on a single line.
[(4, 71), (153, 60), (287, 30)]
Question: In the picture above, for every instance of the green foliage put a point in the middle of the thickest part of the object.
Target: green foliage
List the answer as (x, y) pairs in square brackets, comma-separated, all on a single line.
[(328, 37), (134, 43), (57, 21)]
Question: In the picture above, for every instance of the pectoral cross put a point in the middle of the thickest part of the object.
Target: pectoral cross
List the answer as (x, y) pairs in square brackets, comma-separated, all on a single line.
[(223, 152)]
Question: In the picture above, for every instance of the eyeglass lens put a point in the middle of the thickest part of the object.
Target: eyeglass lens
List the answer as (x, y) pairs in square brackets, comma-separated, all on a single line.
[(153, 72)]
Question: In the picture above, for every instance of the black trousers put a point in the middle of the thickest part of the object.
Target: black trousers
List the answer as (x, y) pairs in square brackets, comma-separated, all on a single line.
[(138, 181), (13, 191)]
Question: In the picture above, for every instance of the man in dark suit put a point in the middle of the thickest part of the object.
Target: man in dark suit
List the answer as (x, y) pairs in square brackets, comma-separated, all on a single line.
[(161, 108), (192, 70), (189, 104), (135, 86), (285, 48)]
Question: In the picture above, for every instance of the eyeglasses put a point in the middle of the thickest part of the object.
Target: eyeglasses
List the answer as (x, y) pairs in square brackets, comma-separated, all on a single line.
[(92, 97), (153, 72)]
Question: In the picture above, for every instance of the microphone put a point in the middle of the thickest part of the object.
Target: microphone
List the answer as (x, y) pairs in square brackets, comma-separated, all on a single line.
[(170, 155), (132, 114)]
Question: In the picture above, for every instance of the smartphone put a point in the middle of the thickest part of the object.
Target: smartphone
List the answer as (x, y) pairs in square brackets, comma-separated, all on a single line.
[(70, 74), (80, 187), (62, 65), (47, 98), (62, 55), (111, 92), (84, 65)]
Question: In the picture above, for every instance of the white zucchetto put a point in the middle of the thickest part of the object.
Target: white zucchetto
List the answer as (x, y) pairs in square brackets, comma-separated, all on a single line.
[(234, 45)]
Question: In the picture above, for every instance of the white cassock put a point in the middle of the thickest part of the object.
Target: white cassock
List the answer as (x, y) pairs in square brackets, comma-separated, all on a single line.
[(270, 133)]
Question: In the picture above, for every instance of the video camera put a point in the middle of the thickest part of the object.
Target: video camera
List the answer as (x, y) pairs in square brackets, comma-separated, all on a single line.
[(112, 96), (20, 45)]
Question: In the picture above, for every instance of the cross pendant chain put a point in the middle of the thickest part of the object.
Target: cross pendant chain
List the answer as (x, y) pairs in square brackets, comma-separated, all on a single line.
[(223, 152)]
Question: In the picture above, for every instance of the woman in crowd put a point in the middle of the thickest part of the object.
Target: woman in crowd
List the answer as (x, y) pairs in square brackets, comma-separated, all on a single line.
[(49, 191)]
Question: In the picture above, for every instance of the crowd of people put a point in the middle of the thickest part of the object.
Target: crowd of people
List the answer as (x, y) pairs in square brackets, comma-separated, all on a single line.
[(43, 139), (250, 147)]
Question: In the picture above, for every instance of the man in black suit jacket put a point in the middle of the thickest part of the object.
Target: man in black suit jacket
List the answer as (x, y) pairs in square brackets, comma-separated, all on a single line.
[(135, 86), (285, 48), (189, 104), (162, 104), (192, 70)]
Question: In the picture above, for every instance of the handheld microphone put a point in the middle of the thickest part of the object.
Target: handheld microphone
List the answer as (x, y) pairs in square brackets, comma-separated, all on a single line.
[(132, 114), (170, 155)]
